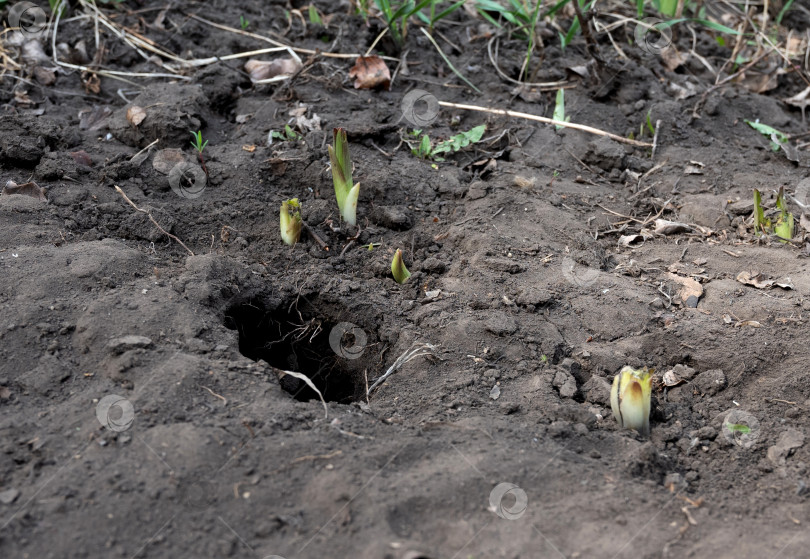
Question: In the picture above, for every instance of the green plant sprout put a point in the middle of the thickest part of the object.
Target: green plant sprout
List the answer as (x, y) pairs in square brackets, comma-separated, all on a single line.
[(290, 220), (784, 225), (434, 17), (630, 399), (341, 163), (396, 17), (783, 11), (559, 109), (362, 7), (777, 137), (243, 22), (518, 13), (425, 149), (738, 428), (398, 269), (647, 124), (199, 145), (566, 39), (314, 16), (286, 135)]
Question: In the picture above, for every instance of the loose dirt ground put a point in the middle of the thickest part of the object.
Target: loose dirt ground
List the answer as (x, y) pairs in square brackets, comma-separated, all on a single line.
[(519, 280)]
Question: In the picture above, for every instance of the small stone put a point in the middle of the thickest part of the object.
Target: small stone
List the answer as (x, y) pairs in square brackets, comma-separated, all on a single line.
[(508, 408), (392, 217), (566, 384), (501, 324), (535, 297), (597, 390), (711, 382), (495, 393), (477, 190), (9, 496), (790, 440), (433, 265), (126, 343)]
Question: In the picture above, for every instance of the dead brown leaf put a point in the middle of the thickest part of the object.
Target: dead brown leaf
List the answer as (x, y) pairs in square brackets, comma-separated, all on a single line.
[(804, 221), (95, 118), (91, 82), (31, 189), (760, 82), (44, 76), (800, 100), (666, 227), (690, 290), (135, 115), (672, 59), (370, 72), (754, 279), (22, 99), (279, 68), (631, 240), (82, 158), (166, 159)]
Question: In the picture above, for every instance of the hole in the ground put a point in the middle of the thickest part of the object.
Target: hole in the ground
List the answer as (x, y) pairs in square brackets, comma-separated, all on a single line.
[(325, 350)]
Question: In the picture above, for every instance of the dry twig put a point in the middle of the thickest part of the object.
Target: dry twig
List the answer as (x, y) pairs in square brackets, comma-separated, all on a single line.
[(152, 219)]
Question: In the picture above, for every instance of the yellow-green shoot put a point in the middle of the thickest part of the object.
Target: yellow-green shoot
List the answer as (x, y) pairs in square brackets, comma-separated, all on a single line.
[(784, 225), (398, 269), (290, 219), (630, 399), (345, 191)]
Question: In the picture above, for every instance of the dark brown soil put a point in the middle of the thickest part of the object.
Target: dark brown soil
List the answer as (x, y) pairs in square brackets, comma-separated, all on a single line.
[(519, 279)]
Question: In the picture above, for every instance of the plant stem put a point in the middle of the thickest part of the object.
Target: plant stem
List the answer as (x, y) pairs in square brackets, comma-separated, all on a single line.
[(585, 25), (202, 162)]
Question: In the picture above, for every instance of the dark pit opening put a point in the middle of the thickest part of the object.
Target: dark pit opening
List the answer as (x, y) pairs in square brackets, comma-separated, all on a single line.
[(294, 339)]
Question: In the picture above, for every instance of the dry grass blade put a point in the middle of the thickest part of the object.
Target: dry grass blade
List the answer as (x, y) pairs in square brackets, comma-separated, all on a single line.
[(132, 39), (545, 120), (116, 75), (300, 376), (278, 43), (152, 219), (540, 85), (416, 350)]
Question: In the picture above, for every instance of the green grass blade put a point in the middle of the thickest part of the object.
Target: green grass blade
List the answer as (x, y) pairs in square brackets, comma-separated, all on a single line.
[(446, 12), (783, 11), (559, 107), (450, 64)]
